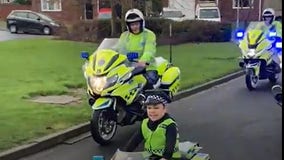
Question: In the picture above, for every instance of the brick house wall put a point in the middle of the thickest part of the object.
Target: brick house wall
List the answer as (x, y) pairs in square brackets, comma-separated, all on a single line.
[(229, 14), (165, 3), (5, 9), (71, 11)]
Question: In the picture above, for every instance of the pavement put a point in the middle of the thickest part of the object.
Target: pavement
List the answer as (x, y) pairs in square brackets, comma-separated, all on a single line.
[(54, 139), (230, 122)]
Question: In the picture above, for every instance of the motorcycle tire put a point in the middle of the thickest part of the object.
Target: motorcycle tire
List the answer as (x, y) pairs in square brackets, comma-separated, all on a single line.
[(102, 127), (250, 81)]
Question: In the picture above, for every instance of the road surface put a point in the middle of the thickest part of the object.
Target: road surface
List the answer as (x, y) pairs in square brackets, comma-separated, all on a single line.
[(228, 121)]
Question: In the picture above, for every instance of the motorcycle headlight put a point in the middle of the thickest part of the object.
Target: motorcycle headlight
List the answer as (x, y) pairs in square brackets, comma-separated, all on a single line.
[(251, 52), (111, 81), (97, 84)]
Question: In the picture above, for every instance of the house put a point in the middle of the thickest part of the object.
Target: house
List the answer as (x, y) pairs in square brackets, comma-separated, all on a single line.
[(6, 6), (6, 1), (249, 10), (68, 11)]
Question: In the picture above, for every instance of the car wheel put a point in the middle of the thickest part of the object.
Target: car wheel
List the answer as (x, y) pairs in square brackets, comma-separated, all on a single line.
[(46, 30), (13, 29)]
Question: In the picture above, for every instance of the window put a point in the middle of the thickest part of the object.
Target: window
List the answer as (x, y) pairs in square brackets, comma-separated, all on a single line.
[(6, 1), (51, 5), (104, 4), (21, 14), (209, 13), (33, 16), (247, 4)]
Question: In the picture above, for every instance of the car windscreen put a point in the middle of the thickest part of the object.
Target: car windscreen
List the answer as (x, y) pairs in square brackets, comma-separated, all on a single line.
[(45, 17), (208, 13)]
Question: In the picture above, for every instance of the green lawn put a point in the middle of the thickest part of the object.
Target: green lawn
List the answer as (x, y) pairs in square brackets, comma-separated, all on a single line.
[(43, 66), (203, 62)]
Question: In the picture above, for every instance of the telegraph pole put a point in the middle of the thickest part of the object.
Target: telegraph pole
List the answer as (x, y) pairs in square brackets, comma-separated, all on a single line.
[(238, 14)]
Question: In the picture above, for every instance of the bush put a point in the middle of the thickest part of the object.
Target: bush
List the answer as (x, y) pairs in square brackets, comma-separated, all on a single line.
[(198, 31), (186, 31)]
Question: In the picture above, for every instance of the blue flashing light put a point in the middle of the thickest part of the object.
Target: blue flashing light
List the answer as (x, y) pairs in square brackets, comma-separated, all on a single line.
[(278, 45), (85, 55), (272, 34), (239, 34)]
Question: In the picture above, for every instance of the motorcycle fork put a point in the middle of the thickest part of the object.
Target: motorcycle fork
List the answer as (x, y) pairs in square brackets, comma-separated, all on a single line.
[(253, 66)]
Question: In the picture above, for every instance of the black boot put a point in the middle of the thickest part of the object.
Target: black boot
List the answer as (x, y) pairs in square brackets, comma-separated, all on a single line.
[(241, 63)]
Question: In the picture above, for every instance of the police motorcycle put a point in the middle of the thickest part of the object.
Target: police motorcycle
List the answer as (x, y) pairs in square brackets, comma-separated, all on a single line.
[(257, 47), (116, 88), (277, 94), (189, 151)]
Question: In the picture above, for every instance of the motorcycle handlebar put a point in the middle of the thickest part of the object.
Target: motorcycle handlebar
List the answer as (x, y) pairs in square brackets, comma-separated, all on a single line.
[(136, 61)]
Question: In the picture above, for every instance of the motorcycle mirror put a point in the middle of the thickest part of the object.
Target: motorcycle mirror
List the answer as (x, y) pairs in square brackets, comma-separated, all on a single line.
[(85, 55)]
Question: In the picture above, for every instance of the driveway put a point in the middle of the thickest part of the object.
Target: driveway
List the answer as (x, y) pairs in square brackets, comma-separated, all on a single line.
[(5, 36)]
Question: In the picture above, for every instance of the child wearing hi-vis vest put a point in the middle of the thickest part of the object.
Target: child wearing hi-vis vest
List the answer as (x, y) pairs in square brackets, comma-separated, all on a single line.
[(159, 131)]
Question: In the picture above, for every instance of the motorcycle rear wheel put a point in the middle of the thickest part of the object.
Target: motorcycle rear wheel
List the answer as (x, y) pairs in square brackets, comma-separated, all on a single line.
[(103, 128)]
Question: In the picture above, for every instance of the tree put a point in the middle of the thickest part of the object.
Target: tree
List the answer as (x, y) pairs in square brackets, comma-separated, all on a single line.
[(157, 6), (113, 18), (122, 6)]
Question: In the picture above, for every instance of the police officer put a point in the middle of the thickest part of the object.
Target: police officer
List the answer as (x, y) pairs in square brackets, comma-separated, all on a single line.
[(141, 41)]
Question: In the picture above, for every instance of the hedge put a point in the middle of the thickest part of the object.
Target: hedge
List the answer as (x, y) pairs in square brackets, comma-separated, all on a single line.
[(185, 31)]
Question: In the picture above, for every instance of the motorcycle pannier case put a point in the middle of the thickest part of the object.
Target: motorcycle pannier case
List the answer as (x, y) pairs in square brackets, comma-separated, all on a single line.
[(171, 80)]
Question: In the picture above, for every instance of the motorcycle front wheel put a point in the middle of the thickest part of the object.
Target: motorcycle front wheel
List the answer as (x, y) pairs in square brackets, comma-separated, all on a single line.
[(251, 80), (103, 126)]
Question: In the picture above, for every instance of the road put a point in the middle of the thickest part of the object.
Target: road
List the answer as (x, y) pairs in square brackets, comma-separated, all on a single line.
[(5, 35), (228, 121)]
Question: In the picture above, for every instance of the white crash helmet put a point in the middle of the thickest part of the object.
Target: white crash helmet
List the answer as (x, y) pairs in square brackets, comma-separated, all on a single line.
[(268, 12), (134, 15)]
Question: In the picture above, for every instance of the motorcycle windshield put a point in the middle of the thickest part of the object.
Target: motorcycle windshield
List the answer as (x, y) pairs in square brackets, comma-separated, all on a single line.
[(260, 26), (255, 25), (120, 155), (254, 40), (108, 43)]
